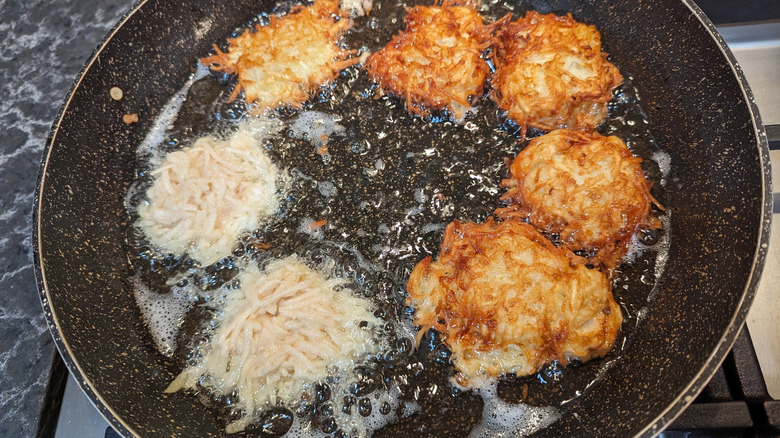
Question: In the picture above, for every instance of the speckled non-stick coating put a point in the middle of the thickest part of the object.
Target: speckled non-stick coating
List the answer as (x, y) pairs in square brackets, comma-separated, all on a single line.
[(718, 193)]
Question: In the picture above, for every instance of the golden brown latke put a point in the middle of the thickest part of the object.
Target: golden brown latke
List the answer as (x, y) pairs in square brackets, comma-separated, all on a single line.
[(283, 62), (436, 62), (587, 188), (507, 301), (552, 74)]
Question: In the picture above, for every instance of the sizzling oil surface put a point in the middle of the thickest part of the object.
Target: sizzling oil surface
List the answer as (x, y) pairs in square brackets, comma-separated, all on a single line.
[(386, 184)]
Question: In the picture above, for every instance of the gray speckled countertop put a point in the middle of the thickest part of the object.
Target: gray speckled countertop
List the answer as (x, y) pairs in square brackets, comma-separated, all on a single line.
[(43, 46)]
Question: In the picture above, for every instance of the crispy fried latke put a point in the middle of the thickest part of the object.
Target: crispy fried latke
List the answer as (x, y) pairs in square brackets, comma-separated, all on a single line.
[(507, 301), (282, 63), (552, 74), (436, 62), (588, 189)]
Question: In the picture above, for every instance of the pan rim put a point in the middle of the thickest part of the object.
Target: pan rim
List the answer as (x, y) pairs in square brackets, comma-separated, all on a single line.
[(662, 420), (726, 342), (50, 315)]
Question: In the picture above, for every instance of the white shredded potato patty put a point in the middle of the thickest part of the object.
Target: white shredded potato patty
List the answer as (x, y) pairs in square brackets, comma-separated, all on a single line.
[(284, 329), (204, 196)]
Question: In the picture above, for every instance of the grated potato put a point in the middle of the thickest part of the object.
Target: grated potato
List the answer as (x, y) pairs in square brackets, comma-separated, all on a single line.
[(282, 331), (282, 63), (436, 62), (205, 195), (552, 73), (507, 301), (588, 189)]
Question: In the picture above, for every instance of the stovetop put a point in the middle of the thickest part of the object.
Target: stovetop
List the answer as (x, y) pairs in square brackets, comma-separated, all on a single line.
[(742, 397)]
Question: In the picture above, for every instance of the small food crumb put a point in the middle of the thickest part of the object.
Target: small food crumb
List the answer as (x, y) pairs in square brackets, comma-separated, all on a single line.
[(322, 150), (130, 118), (318, 224), (259, 245), (116, 93)]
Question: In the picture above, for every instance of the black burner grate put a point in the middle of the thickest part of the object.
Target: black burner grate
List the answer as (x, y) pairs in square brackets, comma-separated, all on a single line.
[(735, 403)]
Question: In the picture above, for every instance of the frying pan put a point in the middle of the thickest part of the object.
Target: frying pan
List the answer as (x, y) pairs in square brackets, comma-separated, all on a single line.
[(703, 117)]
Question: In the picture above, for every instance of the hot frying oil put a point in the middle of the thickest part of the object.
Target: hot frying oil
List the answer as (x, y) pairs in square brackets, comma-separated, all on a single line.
[(370, 191)]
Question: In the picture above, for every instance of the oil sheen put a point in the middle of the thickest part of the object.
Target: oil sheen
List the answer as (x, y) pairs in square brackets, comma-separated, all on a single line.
[(369, 190)]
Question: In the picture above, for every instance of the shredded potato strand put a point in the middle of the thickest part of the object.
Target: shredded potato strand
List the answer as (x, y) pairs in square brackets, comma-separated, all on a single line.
[(552, 73), (587, 188), (282, 63), (284, 329), (205, 195), (507, 301), (435, 63)]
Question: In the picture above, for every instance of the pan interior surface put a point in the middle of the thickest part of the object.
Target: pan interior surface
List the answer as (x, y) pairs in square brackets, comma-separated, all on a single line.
[(714, 193)]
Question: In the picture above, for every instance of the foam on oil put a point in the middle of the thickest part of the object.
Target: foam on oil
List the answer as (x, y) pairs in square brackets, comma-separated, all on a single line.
[(164, 121), (163, 313), (501, 419)]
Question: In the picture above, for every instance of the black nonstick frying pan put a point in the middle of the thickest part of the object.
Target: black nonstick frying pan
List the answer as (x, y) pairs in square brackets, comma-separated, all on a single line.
[(718, 194)]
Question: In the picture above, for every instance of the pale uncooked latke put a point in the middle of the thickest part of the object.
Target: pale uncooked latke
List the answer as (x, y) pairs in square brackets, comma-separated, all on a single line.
[(204, 196), (282, 331)]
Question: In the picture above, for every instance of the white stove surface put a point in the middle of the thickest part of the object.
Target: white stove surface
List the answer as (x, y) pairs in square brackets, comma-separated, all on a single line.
[(757, 49), (79, 418)]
